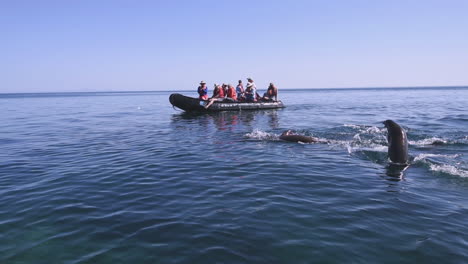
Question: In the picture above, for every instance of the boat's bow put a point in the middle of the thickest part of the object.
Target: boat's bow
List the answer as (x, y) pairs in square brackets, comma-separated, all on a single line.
[(186, 103)]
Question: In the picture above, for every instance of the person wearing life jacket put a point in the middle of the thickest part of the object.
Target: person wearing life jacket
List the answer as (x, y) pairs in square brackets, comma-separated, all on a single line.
[(218, 92), (218, 95), (240, 90), (202, 91), (231, 93), (250, 91)]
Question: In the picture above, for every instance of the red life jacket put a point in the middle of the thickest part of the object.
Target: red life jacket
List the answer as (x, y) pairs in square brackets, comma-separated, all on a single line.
[(221, 92), (232, 93), (218, 92)]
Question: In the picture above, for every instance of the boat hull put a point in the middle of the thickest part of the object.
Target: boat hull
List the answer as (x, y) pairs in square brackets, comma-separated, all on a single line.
[(190, 104)]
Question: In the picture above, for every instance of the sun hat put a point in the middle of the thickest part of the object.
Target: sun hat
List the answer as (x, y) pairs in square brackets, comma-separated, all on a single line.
[(202, 82)]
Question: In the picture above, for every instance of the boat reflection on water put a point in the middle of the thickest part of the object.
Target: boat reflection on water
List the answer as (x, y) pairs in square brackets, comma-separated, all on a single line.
[(225, 120), (229, 120)]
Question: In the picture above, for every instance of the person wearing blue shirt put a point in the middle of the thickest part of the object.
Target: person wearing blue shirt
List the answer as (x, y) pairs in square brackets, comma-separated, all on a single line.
[(240, 90), (203, 91)]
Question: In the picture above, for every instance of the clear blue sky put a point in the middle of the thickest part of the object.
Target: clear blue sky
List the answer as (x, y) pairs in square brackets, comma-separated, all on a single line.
[(173, 45)]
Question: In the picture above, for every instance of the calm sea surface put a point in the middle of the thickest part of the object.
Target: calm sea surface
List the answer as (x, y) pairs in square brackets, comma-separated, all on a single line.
[(125, 178)]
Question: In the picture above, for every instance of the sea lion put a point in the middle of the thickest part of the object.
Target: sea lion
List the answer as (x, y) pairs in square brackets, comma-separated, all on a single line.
[(397, 143), (289, 135)]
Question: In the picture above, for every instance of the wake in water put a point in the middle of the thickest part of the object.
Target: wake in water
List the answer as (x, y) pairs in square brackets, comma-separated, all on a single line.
[(265, 136), (428, 141), (441, 163), (370, 142), (262, 135), (434, 141)]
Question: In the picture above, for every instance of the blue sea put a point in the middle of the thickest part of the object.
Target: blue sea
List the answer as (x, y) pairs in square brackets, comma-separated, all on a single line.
[(126, 178)]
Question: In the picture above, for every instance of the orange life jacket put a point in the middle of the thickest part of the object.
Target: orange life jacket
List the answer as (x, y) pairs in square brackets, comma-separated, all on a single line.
[(232, 93)]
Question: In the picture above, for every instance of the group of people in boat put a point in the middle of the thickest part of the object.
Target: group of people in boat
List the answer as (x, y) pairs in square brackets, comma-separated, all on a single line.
[(239, 94)]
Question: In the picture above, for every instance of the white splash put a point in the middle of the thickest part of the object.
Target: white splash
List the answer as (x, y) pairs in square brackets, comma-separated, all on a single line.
[(445, 168), (463, 140), (357, 137), (364, 147), (374, 130), (424, 156), (352, 126), (261, 135), (428, 141), (366, 129)]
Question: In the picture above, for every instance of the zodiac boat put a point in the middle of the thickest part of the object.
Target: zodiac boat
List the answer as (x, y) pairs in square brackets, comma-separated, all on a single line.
[(190, 104)]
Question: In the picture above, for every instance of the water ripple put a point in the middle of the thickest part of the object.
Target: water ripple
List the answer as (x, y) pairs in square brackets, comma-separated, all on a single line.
[(116, 179)]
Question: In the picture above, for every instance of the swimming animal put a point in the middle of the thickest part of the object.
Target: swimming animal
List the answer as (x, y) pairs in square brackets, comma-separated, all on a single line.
[(397, 143), (290, 135)]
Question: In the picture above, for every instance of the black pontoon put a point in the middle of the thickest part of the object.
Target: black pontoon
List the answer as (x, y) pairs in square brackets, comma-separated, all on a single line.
[(190, 104)]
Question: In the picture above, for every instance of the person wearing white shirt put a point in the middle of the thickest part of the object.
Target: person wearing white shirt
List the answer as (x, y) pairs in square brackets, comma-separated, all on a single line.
[(250, 91)]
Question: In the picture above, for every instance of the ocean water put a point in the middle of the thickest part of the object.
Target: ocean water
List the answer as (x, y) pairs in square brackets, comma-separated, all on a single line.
[(125, 178)]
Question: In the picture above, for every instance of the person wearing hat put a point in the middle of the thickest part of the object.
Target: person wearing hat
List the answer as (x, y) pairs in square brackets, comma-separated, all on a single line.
[(203, 91), (250, 91)]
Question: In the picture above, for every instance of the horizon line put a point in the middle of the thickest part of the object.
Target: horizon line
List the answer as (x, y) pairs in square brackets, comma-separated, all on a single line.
[(286, 88)]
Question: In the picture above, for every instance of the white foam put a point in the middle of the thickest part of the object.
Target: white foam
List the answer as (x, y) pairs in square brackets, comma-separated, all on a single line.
[(428, 141), (369, 147), (373, 130), (352, 126), (349, 149), (261, 135), (462, 141), (445, 168), (365, 129), (323, 140), (422, 157)]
